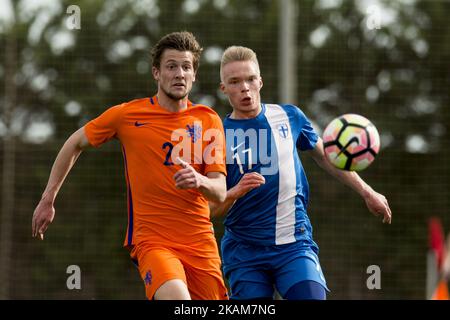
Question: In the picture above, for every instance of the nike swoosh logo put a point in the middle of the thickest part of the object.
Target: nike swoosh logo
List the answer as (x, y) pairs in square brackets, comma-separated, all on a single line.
[(139, 124), (232, 149)]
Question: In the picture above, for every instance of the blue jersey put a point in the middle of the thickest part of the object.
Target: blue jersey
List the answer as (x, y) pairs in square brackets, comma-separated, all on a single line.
[(274, 213)]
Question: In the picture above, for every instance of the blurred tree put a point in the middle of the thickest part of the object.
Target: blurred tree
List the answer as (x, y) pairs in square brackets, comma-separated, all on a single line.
[(8, 163)]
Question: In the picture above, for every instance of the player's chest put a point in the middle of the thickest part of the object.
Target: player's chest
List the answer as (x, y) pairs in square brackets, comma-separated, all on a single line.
[(260, 138), (252, 148), (164, 139), (154, 128)]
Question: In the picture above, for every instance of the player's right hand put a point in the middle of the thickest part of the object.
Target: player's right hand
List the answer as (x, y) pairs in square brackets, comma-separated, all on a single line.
[(188, 177), (43, 215), (247, 183)]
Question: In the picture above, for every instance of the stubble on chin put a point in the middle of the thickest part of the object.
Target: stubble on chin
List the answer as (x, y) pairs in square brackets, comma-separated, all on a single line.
[(175, 97)]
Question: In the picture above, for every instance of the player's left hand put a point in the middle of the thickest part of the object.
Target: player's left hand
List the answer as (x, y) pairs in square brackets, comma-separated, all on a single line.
[(248, 182), (188, 177), (379, 206)]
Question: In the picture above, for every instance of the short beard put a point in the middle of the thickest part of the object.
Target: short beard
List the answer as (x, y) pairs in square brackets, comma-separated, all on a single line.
[(173, 97)]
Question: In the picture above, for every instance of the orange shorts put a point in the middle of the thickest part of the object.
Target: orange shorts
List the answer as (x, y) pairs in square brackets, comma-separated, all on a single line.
[(198, 266)]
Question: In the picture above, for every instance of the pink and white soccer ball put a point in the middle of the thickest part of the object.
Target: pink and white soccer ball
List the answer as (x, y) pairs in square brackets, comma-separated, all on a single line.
[(351, 142)]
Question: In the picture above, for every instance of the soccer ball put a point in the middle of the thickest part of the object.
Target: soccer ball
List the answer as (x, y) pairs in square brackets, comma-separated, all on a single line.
[(351, 142)]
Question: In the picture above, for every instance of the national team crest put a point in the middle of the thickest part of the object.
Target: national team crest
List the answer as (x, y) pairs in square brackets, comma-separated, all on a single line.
[(195, 132), (283, 130), (148, 278)]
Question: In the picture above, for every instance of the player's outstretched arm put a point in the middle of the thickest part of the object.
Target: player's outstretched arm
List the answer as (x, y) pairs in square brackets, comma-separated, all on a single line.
[(67, 156), (248, 182), (376, 202)]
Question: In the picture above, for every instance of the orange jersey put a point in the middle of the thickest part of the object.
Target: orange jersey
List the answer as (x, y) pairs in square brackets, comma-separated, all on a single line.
[(151, 139)]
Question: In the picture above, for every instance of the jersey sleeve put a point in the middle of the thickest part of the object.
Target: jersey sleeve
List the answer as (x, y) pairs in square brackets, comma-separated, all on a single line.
[(104, 127), (214, 155), (308, 137)]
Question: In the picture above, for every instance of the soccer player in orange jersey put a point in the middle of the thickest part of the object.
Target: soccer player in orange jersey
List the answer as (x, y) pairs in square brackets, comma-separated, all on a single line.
[(174, 161)]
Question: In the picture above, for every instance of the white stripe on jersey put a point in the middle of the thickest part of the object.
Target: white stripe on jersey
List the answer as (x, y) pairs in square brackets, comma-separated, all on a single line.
[(285, 220)]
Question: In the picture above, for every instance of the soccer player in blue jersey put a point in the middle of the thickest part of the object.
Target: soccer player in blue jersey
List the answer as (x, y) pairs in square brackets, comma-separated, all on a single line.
[(268, 239)]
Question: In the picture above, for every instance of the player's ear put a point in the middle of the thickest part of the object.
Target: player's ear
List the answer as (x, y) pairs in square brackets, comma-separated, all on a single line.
[(260, 83), (155, 72), (222, 87)]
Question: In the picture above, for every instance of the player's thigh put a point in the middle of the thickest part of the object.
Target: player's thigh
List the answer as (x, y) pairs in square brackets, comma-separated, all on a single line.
[(174, 289), (203, 272), (250, 283), (306, 290), (301, 268), (157, 266), (205, 284), (245, 267)]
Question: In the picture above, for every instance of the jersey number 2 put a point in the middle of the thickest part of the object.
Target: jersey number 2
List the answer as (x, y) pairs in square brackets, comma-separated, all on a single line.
[(168, 146)]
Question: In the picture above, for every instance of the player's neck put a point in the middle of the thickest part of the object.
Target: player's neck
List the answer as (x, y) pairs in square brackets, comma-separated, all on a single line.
[(170, 104), (242, 114)]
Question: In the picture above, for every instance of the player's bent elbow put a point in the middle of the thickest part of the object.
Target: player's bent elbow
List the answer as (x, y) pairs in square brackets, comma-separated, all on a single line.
[(214, 195), (216, 189), (213, 208), (222, 196), (219, 196)]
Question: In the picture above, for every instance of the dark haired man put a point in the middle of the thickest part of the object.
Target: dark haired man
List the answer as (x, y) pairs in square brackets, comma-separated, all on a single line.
[(174, 163)]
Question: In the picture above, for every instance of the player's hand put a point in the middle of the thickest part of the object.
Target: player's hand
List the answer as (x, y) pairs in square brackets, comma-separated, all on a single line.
[(247, 183), (188, 177), (43, 215), (378, 205)]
